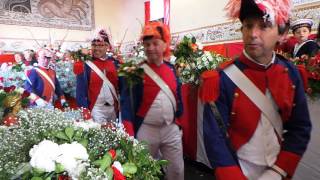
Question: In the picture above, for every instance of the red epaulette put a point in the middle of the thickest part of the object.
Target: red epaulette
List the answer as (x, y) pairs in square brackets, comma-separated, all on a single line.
[(209, 86), (209, 89), (78, 67), (225, 64)]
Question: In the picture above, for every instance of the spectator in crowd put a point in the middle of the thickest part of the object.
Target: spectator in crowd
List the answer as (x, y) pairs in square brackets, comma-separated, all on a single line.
[(301, 30)]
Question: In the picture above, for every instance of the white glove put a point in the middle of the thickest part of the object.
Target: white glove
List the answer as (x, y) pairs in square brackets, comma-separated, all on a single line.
[(40, 102), (270, 175), (62, 101)]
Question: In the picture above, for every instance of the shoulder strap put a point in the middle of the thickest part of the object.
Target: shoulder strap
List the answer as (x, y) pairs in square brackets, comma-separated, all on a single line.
[(256, 96), (164, 87), (103, 77), (45, 75)]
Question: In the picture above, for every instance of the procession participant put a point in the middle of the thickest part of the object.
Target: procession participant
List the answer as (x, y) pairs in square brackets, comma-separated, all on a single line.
[(256, 118), (149, 113), (97, 81), (42, 80)]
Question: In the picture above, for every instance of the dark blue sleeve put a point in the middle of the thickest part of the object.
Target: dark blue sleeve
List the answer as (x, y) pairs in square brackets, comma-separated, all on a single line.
[(58, 89), (82, 89), (31, 82), (299, 125), (126, 101), (218, 151)]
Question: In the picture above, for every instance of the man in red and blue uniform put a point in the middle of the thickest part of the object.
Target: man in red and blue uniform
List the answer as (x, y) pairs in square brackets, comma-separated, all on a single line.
[(148, 112), (91, 91), (42, 80), (245, 144)]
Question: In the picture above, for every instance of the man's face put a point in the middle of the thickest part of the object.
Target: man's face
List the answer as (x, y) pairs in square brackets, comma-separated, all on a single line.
[(27, 55), (154, 49), (259, 38), (18, 58), (99, 49), (44, 58), (301, 34)]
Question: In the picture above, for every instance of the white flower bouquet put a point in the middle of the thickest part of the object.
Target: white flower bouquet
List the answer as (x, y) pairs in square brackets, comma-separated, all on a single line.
[(51, 144), (191, 60)]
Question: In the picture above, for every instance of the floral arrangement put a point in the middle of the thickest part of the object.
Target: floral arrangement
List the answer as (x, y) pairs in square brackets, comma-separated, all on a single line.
[(13, 75), (74, 146), (82, 54), (18, 67), (66, 77), (191, 60), (136, 53), (131, 71), (312, 66), (11, 101)]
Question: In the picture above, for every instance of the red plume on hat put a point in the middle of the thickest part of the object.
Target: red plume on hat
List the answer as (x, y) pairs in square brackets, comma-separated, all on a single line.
[(160, 31), (274, 11)]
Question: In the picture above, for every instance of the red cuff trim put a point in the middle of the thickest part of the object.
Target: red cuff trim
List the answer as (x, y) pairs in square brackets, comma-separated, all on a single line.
[(288, 162), (128, 126), (78, 67), (209, 88), (229, 173)]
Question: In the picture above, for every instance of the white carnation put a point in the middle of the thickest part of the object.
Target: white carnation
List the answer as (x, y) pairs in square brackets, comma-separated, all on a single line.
[(71, 157), (43, 155)]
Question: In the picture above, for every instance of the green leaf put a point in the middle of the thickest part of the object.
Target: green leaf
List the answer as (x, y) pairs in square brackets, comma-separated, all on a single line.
[(163, 162), (62, 135), (59, 168), (78, 134), (104, 164), (69, 132), (38, 172), (36, 178), (109, 173), (129, 168), (84, 142), (107, 160), (97, 162)]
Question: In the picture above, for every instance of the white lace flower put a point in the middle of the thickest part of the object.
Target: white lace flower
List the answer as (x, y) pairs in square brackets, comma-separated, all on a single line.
[(86, 125)]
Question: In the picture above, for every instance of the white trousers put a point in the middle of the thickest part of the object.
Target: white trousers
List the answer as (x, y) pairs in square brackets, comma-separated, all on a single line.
[(167, 140)]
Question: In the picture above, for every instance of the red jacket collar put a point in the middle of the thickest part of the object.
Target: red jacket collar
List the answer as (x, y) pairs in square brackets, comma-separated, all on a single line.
[(245, 60)]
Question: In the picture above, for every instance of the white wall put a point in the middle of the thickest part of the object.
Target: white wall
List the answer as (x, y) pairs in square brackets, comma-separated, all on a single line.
[(192, 14), (131, 17), (115, 15)]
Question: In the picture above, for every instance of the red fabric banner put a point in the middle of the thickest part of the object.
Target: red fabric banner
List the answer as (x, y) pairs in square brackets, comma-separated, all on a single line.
[(5, 58), (146, 12), (230, 50), (188, 120)]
